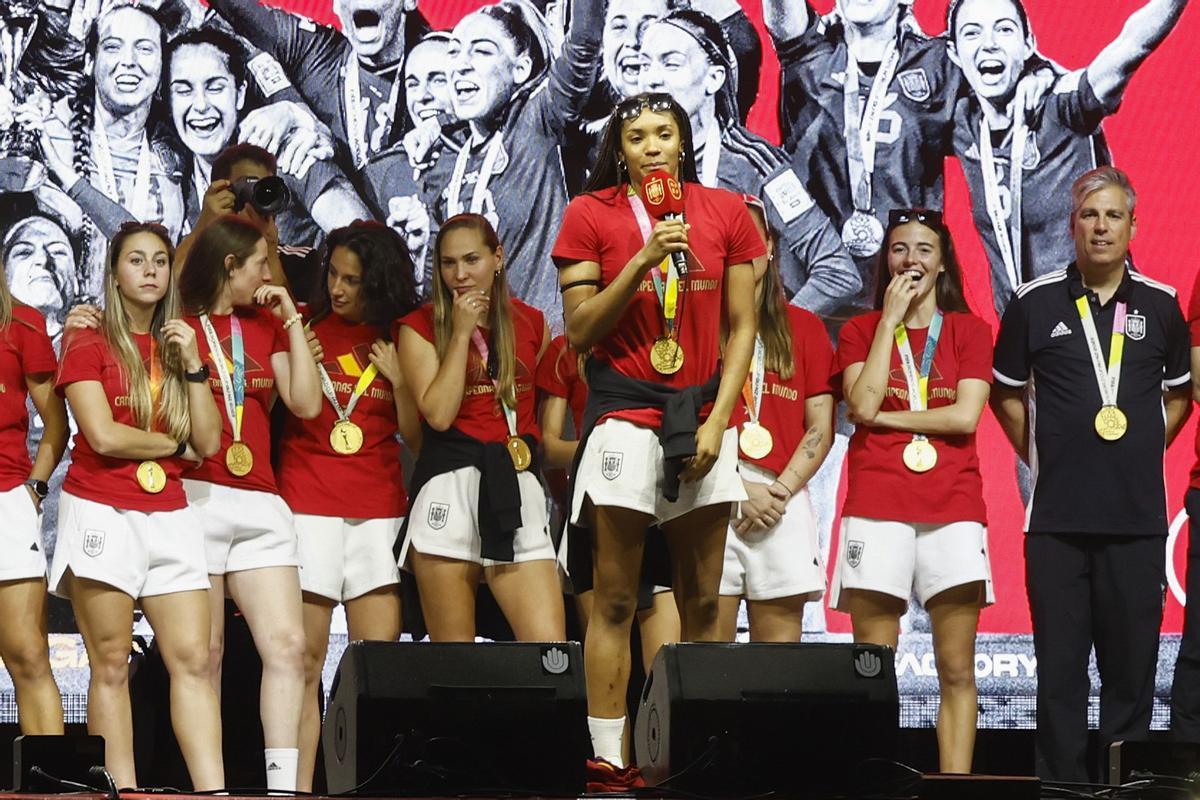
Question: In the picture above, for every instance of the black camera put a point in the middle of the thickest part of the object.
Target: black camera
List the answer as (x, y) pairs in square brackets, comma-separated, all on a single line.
[(267, 195)]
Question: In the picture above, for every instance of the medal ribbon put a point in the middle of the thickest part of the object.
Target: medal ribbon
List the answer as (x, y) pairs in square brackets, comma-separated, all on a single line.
[(356, 111), (918, 382), (752, 389), (454, 190), (710, 159), (1007, 229), (233, 387), (862, 137), (138, 203), (668, 294), (360, 388), (510, 414), (1108, 377)]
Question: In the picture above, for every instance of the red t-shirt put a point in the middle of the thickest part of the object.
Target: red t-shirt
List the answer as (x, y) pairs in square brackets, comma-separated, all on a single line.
[(558, 376), (480, 415), (782, 409), (880, 486), (314, 479), (24, 350), (87, 356), (262, 336), (601, 227)]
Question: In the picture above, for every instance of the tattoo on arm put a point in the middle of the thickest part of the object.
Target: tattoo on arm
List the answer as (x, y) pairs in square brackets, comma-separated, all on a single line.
[(812, 439)]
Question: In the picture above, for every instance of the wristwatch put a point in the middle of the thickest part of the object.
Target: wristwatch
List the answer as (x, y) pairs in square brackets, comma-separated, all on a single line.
[(199, 376), (40, 488)]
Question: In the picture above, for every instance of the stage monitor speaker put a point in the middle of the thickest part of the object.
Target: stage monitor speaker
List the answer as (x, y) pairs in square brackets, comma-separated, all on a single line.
[(743, 719), (457, 718), (57, 764), (979, 787), (1133, 761)]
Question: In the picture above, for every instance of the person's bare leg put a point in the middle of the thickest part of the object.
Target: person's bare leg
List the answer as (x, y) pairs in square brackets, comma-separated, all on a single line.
[(447, 587), (780, 619), (697, 544), (875, 616), (216, 635), (318, 613), (25, 650), (954, 614), (658, 625), (529, 595)]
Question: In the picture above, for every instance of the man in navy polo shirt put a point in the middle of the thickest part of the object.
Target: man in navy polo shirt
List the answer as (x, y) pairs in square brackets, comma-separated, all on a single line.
[(1103, 352)]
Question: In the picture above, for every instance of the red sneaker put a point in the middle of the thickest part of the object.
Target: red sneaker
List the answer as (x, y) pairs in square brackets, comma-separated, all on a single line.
[(604, 777)]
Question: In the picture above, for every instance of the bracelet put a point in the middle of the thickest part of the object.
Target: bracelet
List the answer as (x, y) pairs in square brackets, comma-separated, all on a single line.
[(180, 450), (784, 485), (292, 320)]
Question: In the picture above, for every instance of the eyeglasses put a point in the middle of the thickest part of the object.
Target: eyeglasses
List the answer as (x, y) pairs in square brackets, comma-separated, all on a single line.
[(926, 216), (632, 108)]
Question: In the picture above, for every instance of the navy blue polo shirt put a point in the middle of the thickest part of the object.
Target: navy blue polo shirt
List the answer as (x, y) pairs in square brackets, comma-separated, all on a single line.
[(1082, 483)]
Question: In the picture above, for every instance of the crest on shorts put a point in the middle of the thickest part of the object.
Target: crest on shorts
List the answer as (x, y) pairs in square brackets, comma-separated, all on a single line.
[(1135, 327), (93, 543), (915, 85), (854, 551), (610, 464), (438, 514)]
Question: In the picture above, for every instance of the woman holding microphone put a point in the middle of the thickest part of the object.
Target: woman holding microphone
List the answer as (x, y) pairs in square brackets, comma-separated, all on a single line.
[(649, 301), (916, 374)]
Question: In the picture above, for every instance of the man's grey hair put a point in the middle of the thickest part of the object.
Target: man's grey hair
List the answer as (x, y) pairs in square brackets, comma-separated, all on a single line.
[(1099, 178)]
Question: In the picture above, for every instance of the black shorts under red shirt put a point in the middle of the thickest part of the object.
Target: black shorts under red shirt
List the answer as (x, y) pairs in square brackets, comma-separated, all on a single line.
[(25, 350), (262, 336), (600, 227), (480, 415), (782, 409), (313, 479), (879, 485), (87, 356)]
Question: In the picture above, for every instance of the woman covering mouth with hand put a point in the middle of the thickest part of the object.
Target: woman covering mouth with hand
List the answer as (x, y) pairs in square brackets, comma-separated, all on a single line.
[(916, 374)]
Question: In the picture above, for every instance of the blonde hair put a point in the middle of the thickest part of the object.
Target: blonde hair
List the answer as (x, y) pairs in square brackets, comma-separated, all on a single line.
[(171, 415), (774, 327), (504, 340)]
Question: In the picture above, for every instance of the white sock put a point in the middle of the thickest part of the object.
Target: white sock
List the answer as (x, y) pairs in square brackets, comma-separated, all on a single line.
[(606, 739), (281, 768)]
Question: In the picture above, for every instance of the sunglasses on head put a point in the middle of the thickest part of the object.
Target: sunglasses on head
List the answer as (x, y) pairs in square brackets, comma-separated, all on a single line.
[(926, 216), (632, 108)]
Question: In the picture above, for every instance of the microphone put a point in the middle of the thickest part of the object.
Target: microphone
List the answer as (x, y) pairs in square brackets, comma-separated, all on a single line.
[(664, 199)]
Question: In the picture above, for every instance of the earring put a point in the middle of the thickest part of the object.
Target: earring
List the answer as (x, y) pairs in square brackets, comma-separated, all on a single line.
[(620, 165)]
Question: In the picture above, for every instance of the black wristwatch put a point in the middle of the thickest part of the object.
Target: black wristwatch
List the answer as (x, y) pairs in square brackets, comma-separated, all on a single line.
[(40, 488), (199, 376), (181, 449)]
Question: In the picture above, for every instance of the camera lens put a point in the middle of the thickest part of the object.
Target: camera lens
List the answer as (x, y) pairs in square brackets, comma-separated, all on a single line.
[(270, 195)]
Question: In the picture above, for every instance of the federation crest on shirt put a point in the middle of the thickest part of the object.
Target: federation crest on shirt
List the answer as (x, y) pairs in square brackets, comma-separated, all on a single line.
[(854, 552), (915, 85), (439, 513), (93, 543), (1135, 327), (610, 464)]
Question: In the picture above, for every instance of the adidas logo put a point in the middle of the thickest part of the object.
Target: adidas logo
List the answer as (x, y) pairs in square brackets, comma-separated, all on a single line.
[(273, 767), (33, 548), (1060, 329)]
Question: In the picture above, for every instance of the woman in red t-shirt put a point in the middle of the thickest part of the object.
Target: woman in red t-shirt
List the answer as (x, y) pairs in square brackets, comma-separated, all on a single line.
[(27, 366), (478, 511), (772, 554), (126, 534), (654, 331), (257, 350), (345, 535), (916, 376)]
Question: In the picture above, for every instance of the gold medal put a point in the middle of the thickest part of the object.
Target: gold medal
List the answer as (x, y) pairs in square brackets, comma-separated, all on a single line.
[(519, 452), (151, 477), (346, 437), (920, 455), (1111, 423), (755, 440), (666, 356), (239, 460)]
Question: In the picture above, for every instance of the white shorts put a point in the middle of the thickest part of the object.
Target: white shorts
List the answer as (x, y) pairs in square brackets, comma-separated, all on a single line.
[(22, 556), (443, 520), (243, 529), (898, 558), (141, 553), (341, 559), (782, 561), (622, 466)]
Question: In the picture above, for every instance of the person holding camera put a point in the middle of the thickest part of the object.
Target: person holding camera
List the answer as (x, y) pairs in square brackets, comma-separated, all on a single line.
[(244, 182)]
